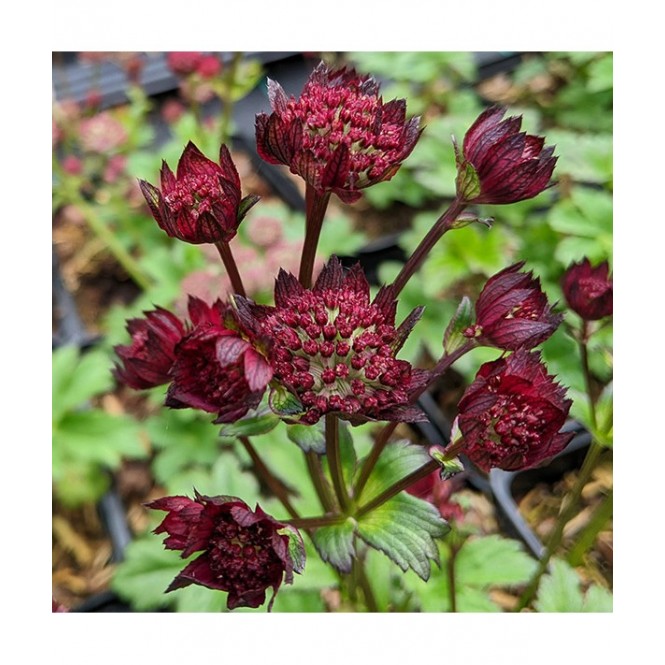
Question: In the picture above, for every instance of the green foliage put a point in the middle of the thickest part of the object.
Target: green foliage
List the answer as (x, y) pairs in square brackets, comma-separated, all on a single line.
[(87, 442), (404, 529), (335, 544), (398, 459), (481, 563), (560, 591), (308, 437)]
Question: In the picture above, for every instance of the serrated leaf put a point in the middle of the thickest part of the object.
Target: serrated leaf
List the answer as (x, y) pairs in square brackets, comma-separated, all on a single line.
[(308, 437), (492, 561), (398, 459), (559, 591), (335, 544), (598, 599), (404, 529), (296, 548)]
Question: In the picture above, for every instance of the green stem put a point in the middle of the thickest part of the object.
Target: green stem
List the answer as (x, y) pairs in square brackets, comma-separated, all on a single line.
[(316, 205), (227, 98), (334, 461), (102, 231), (588, 536), (441, 226), (319, 481), (366, 586), (273, 483), (396, 488), (224, 250), (450, 569)]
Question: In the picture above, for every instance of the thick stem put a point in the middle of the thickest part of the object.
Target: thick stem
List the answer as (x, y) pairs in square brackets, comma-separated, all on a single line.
[(224, 250), (316, 205), (440, 227), (319, 481), (400, 485), (273, 483), (334, 461)]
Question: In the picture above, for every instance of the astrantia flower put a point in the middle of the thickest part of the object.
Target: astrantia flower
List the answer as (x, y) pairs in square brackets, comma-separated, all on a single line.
[(589, 291), (511, 415), (500, 164), (216, 369), (102, 133), (335, 350), (183, 62), (202, 202), (147, 361), (243, 551), (512, 311), (338, 135)]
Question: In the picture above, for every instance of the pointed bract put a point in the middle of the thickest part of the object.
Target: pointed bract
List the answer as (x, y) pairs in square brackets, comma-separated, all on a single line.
[(589, 291)]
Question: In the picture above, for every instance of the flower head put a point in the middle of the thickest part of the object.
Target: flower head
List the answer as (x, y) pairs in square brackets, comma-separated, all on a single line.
[(335, 350), (512, 311), (338, 135), (216, 369), (243, 551), (589, 291), (183, 62), (500, 164), (102, 133), (202, 202), (511, 415), (147, 361)]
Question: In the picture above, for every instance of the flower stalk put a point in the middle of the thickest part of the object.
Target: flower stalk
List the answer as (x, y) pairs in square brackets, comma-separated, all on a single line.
[(334, 461), (316, 205), (441, 226), (231, 267)]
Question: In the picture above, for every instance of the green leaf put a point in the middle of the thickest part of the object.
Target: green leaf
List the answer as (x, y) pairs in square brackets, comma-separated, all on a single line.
[(347, 451), (77, 378), (335, 544), (250, 426), (308, 437), (491, 561), (283, 402), (601, 74), (560, 591), (145, 574), (76, 482), (398, 459), (296, 548), (453, 339), (404, 529)]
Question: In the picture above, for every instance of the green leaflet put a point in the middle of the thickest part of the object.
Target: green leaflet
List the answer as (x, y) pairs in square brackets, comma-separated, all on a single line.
[(335, 544), (404, 529)]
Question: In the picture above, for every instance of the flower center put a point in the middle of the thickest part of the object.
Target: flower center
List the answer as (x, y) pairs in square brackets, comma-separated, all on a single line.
[(239, 556), (196, 193), (334, 350), (343, 114)]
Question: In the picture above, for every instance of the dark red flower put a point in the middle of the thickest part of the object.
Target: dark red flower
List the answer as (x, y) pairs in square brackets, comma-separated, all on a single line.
[(335, 350), (500, 164), (510, 416), (147, 361), (589, 291), (183, 62), (202, 203), (512, 311), (216, 368), (338, 136), (244, 552)]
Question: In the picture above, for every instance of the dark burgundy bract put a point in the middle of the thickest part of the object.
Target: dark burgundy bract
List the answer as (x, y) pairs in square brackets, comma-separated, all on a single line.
[(589, 291)]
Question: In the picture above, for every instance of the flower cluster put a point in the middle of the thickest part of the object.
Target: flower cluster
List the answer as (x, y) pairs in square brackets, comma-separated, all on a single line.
[(332, 349), (338, 135), (243, 551)]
